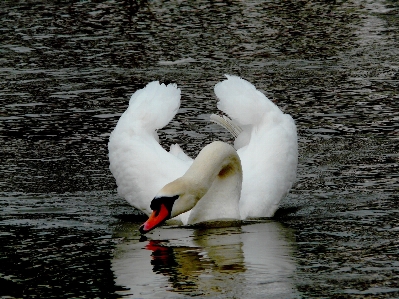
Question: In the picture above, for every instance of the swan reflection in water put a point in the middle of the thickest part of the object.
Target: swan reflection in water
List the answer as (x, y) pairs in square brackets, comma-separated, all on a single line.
[(252, 260)]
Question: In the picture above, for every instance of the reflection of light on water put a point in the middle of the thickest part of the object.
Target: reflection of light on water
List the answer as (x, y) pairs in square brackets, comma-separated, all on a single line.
[(268, 259), (250, 261)]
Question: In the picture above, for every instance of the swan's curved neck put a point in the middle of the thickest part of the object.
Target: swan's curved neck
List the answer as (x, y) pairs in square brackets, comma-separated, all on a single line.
[(212, 185)]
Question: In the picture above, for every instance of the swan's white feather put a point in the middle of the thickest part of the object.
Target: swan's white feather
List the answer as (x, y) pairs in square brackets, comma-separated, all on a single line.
[(267, 146), (242, 101), (227, 123), (176, 151), (139, 164)]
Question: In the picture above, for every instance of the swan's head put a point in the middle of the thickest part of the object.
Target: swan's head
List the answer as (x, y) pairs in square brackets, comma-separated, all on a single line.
[(161, 211), (174, 199)]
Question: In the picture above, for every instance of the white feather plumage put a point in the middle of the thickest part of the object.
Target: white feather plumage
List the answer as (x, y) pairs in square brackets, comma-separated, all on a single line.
[(267, 146)]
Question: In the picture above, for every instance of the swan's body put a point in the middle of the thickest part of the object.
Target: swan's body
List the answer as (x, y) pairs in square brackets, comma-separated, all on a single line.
[(266, 145)]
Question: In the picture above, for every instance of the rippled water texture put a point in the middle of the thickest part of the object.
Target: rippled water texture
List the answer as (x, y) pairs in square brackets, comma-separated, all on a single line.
[(67, 70)]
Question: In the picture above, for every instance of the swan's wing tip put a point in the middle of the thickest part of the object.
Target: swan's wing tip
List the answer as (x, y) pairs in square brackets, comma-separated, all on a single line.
[(153, 106), (161, 86), (242, 102)]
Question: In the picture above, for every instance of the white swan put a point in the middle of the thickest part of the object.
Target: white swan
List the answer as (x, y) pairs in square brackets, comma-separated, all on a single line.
[(210, 187)]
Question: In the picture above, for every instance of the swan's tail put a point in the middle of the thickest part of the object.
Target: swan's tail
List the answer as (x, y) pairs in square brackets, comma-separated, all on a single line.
[(242, 102), (152, 107)]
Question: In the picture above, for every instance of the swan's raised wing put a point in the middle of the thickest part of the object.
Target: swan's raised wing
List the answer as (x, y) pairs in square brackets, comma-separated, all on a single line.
[(267, 146), (141, 167)]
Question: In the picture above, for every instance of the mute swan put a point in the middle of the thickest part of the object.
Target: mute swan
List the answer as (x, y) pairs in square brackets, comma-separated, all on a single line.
[(221, 183)]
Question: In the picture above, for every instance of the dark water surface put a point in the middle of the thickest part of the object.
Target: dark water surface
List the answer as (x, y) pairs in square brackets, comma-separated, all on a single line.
[(67, 70)]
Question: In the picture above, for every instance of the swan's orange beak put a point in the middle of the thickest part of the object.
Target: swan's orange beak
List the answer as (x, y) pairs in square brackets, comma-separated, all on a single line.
[(157, 217)]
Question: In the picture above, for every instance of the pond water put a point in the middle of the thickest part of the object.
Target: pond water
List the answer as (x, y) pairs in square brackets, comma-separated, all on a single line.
[(67, 70)]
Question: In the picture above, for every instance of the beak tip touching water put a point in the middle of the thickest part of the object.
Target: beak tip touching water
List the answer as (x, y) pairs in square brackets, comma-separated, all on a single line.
[(142, 230)]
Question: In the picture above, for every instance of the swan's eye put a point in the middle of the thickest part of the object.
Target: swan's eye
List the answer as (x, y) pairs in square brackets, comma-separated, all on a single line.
[(168, 201)]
